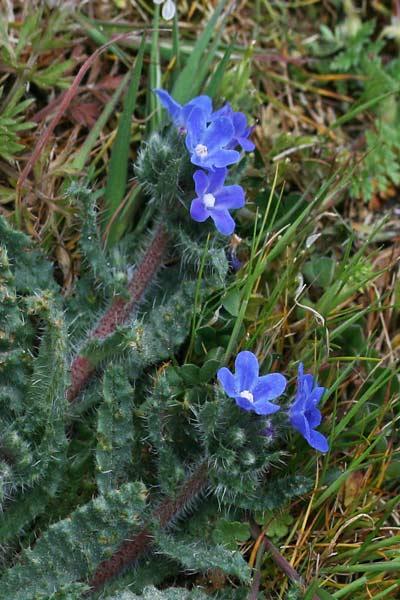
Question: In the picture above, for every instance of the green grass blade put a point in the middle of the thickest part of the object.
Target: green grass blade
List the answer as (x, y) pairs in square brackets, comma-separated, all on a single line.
[(184, 87), (154, 74), (316, 592), (176, 49), (100, 38), (351, 587), (361, 108), (380, 382), (388, 592), (80, 159), (118, 170), (214, 84), (132, 204), (206, 62), (388, 566)]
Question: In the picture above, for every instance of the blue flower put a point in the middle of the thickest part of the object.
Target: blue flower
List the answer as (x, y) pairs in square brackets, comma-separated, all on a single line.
[(240, 130), (214, 199), (178, 113), (207, 143), (304, 414), (250, 391)]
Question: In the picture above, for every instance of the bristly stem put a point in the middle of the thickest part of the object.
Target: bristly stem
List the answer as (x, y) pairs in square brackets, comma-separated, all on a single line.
[(131, 549), (278, 559), (120, 309)]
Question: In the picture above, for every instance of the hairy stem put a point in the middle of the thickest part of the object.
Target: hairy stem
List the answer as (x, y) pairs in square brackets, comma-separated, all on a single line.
[(278, 559), (120, 309), (131, 549)]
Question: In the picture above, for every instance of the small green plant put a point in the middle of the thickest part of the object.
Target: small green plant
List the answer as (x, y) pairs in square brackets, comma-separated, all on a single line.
[(12, 122), (160, 440), (358, 51)]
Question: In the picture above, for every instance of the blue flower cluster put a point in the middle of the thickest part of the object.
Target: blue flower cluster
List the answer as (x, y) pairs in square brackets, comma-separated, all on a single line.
[(211, 139), (254, 393)]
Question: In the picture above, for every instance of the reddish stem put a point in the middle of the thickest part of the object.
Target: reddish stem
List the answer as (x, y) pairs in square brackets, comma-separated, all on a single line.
[(278, 559), (130, 550), (120, 309)]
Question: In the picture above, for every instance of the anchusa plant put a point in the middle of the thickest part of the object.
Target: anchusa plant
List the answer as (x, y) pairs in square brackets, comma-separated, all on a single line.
[(105, 448), (212, 140)]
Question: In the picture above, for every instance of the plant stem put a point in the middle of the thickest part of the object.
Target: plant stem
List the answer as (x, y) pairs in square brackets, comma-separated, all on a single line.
[(278, 559), (120, 309), (131, 549)]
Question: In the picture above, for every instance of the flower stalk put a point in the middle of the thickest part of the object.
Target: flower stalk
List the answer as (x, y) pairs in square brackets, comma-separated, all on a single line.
[(120, 309), (131, 550)]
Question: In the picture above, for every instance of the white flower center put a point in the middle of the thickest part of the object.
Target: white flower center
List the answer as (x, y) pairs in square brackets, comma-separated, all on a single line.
[(201, 150), (248, 395), (209, 200)]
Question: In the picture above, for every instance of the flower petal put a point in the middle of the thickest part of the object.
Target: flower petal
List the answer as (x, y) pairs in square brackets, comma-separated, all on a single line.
[(173, 107), (300, 402), (308, 383), (202, 102), (224, 111), (269, 387), (299, 422), (223, 158), (196, 125), (314, 417), (246, 144), (198, 211), (231, 196), (246, 371), (318, 441), (218, 133), (227, 380), (217, 179), (263, 407), (316, 395), (201, 182), (244, 403), (239, 122), (300, 371), (223, 221)]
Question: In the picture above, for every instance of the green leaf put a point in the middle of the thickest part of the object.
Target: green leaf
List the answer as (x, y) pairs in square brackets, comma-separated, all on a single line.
[(79, 160), (190, 373), (154, 74), (118, 169), (216, 78), (277, 524), (187, 85), (229, 533), (219, 263), (52, 75), (114, 429), (361, 108), (323, 594), (232, 302), (208, 370), (320, 270), (97, 34), (199, 557), (71, 549), (352, 340)]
